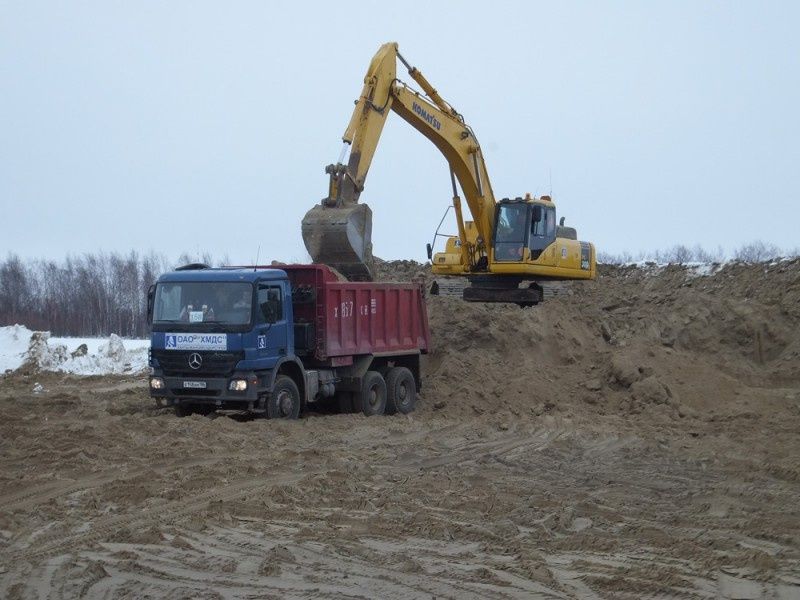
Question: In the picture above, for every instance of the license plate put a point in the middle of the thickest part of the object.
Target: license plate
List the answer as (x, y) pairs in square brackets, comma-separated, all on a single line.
[(194, 384)]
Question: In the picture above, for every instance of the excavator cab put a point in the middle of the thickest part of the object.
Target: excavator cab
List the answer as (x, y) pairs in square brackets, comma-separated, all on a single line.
[(520, 224)]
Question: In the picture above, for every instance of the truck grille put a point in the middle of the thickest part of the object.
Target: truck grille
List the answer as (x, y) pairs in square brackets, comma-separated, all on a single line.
[(176, 363)]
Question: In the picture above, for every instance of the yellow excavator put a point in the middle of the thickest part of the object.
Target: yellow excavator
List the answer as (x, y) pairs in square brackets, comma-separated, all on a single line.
[(508, 251)]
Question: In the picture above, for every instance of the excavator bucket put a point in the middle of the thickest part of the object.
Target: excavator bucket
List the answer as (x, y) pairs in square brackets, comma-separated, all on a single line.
[(341, 237)]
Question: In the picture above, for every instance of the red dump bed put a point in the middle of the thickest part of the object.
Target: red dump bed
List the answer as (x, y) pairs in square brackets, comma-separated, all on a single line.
[(357, 318)]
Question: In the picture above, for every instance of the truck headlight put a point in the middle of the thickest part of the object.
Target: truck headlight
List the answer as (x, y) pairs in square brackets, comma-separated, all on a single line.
[(156, 383), (237, 385)]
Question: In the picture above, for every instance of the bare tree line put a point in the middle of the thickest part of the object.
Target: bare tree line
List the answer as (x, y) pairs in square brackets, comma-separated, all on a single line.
[(100, 294), (88, 295), (753, 252)]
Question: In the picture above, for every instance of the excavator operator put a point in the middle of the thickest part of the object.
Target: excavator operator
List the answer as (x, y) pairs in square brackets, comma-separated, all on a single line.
[(512, 232)]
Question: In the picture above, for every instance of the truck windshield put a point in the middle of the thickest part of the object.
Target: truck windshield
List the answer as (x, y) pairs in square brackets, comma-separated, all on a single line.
[(224, 303)]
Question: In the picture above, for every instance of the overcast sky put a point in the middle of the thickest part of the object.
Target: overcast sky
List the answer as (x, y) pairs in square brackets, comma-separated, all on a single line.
[(206, 126)]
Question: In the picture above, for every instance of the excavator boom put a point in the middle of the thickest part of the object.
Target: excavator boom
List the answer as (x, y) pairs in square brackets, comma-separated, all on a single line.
[(338, 231)]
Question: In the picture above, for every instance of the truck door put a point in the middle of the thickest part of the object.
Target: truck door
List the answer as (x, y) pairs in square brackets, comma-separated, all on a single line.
[(271, 327)]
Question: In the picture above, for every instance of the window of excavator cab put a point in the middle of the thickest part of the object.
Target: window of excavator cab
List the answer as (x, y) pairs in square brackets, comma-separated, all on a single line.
[(511, 223), (538, 222), (511, 229), (543, 223)]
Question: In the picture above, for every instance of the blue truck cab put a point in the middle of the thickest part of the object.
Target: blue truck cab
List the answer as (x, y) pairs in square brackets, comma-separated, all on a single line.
[(223, 338)]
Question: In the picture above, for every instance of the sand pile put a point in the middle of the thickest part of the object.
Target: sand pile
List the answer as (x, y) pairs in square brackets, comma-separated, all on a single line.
[(664, 340)]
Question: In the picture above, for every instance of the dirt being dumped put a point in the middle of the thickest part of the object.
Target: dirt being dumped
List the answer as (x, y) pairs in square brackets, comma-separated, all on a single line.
[(635, 437)]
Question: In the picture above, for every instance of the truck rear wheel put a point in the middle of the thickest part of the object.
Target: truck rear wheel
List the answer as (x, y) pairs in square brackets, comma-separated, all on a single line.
[(284, 401), (372, 399), (401, 391)]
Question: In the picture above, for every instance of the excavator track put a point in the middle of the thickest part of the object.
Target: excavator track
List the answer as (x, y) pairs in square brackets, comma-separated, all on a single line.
[(459, 287)]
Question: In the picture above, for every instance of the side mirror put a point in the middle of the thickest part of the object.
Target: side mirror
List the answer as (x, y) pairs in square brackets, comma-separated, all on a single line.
[(429, 248), (151, 298), (561, 222)]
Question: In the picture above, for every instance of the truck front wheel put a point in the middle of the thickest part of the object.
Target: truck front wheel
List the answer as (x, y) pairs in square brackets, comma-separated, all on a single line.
[(401, 391), (373, 394), (284, 401)]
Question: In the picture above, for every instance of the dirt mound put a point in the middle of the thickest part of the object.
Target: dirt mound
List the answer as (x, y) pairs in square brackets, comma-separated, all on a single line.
[(664, 340), (401, 270), (636, 437)]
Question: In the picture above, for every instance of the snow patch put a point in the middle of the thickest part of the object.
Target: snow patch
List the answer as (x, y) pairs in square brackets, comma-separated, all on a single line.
[(14, 341), (81, 356), (702, 269), (693, 269)]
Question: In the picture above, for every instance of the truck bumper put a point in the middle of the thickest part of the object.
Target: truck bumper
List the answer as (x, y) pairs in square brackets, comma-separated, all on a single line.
[(212, 391)]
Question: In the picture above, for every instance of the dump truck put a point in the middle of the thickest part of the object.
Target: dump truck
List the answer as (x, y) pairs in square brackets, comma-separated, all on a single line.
[(272, 340)]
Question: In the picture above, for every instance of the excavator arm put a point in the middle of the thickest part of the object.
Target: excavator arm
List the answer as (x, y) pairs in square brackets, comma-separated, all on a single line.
[(338, 230)]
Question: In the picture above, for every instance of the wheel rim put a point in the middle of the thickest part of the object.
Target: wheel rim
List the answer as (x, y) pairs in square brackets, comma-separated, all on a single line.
[(285, 404), (373, 396)]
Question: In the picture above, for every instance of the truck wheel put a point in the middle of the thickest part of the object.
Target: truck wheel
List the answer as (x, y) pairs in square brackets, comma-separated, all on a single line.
[(401, 391), (284, 401), (373, 394), (183, 410)]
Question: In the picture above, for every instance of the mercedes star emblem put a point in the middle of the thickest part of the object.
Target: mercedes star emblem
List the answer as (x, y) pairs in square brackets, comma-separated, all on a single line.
[(195, 360)]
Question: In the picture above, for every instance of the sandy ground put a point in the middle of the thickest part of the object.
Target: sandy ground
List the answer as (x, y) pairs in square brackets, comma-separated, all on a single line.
[(637, 437)]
